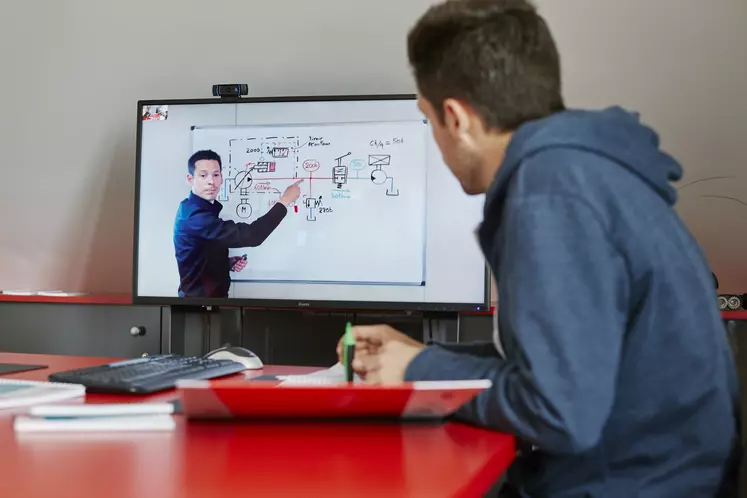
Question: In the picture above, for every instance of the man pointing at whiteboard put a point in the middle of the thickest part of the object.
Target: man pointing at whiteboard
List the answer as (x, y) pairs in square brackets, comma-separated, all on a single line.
[(202, 238)]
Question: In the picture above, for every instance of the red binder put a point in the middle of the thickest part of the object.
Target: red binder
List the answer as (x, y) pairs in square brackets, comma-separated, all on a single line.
[(227, 399)]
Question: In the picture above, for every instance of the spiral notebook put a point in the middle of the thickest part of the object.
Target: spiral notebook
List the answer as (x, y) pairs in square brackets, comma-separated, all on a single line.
[(15, 393)]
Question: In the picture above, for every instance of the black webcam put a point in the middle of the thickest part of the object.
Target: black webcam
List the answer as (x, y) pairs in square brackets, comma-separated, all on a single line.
[(230, 91)]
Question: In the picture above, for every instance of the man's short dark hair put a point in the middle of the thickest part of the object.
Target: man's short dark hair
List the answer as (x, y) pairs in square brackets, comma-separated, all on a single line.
[(498, 56), (202, 155)]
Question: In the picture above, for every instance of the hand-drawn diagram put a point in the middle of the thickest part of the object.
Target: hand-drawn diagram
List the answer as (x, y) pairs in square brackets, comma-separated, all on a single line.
[(259, 168), (364, 186), (242, 182), (313, 204), (378, 175), (340, 172), (244, 209)]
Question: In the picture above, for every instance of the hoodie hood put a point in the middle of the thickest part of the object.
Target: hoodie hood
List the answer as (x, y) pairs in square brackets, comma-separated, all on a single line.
[(613, 133)]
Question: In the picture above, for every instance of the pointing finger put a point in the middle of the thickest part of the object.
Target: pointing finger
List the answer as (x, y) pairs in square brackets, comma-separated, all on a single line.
[(299, 182)]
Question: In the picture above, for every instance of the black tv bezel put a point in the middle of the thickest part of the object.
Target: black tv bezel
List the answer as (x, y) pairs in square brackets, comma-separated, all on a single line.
[(277, 303)]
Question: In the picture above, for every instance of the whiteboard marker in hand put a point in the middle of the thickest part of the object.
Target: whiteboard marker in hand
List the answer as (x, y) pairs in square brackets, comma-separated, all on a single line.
[(236, 263)]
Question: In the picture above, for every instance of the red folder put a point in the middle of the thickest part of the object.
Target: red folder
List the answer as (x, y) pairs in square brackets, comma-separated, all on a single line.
[(203, 399)]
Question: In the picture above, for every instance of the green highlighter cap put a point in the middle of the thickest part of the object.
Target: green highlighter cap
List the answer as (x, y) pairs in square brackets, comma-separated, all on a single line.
[(349, 339), (348, 350)]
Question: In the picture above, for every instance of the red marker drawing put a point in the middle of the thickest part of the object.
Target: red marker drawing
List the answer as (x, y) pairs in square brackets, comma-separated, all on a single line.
[(295, 207)]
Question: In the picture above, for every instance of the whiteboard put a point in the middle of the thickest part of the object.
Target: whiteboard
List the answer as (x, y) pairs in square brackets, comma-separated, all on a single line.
[(361, 218)]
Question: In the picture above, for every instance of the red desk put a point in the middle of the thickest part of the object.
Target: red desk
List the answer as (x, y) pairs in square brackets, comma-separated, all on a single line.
[(214, 459)]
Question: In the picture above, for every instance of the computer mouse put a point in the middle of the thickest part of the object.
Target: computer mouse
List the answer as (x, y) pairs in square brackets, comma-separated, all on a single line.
[(240, 355)]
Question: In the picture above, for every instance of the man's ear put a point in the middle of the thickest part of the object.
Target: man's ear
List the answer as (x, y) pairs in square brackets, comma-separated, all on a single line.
[(456, 117), (190, 178)]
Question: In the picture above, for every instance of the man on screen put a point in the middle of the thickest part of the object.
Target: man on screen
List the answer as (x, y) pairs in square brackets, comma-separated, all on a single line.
[(202, 238)]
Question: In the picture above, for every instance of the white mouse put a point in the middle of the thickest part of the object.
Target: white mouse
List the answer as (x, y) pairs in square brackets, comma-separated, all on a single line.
[(240, 355)]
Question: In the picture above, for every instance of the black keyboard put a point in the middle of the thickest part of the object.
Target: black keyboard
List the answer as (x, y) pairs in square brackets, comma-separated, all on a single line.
[(146, 375)]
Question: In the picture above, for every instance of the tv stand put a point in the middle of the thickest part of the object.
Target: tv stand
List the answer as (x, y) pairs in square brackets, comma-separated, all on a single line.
[(195, 330), (441, 326)]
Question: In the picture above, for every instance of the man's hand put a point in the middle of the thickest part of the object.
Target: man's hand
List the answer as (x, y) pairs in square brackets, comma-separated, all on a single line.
[(291, 194), (238, 263), (382, 354)]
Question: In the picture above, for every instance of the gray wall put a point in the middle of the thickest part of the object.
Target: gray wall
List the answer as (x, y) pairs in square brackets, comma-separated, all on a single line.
[(681, 63), (73, 69)]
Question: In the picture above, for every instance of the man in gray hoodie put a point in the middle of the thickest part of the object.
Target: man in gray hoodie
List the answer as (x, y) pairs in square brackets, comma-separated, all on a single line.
[(610, 362)]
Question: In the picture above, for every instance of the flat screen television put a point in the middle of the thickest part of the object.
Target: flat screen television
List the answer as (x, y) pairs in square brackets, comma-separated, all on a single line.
[(380, 222)]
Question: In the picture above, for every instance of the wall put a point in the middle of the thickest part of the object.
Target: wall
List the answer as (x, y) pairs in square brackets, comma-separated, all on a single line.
[(73, 70), (681, 64)]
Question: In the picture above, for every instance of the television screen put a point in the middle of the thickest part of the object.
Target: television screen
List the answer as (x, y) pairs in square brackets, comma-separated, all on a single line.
[(340, 202)]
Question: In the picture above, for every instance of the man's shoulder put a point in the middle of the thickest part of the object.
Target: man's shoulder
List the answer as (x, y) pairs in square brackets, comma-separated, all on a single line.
[(562, 171), (183, 204), (189, 213), (184, 210)]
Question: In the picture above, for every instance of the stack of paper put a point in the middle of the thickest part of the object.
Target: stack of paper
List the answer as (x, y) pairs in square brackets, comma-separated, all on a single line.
[(45, 293), (332, 375), (56, 293), (138, 417), (15, 393)]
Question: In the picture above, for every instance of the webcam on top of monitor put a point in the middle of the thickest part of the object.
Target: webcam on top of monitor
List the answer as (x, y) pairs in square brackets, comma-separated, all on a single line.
[(232, 91)]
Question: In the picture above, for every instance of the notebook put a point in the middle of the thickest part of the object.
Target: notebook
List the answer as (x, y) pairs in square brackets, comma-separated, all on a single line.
[(135, 423), (89, 418), (332, 375), (15, 393)]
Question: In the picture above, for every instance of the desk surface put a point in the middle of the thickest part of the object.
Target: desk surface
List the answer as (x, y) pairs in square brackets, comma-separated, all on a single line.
[(219, 459)]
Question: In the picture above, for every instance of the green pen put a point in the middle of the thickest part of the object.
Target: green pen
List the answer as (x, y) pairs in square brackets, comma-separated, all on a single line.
[(348, 352)]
